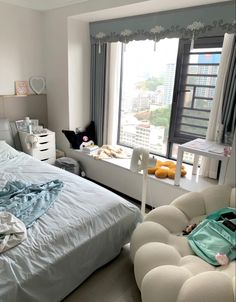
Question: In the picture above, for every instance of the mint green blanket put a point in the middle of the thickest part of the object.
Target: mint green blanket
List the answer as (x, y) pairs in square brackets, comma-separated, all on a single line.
[(28, 201)]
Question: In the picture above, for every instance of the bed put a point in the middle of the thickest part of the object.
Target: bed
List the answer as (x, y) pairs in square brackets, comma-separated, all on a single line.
[(85, 228)]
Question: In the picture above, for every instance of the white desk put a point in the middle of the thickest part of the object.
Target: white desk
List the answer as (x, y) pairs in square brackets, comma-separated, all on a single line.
[(201, 147)]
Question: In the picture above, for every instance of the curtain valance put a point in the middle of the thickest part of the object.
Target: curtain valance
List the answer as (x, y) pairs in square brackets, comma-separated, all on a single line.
[(208, 20)]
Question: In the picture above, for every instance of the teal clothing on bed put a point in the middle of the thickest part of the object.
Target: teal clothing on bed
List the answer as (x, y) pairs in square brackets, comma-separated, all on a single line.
[(28, 201)]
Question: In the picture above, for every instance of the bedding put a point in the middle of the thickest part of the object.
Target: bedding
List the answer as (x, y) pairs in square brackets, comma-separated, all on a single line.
[(6, 151), (28, 201), (83, 229)]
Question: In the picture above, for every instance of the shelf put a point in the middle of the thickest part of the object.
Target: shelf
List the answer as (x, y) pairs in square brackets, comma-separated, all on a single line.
[(20, 96)]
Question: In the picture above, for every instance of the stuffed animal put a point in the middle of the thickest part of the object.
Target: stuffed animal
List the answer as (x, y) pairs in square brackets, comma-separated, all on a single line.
[(165, 169)]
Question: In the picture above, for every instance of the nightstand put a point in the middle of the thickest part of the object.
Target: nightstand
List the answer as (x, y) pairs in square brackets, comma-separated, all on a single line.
[(45, 147)]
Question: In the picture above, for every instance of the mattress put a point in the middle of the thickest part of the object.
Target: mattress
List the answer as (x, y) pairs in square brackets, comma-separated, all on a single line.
[(85, 228)]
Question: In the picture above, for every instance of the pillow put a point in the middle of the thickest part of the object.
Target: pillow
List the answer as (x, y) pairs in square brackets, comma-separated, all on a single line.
[(83, 138), (6, 151)]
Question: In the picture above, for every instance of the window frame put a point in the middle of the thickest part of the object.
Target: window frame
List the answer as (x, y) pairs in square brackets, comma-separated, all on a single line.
[(184, 45), (204, 42)]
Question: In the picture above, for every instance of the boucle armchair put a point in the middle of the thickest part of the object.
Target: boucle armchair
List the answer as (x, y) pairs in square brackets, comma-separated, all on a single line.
[(165, 267)]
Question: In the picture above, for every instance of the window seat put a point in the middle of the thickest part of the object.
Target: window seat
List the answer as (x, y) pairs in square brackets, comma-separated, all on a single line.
[(115, 173)]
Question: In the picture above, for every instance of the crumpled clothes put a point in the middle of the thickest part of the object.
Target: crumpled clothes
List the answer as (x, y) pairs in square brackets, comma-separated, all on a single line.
[(108, 151), (28, 201), (12, 231)]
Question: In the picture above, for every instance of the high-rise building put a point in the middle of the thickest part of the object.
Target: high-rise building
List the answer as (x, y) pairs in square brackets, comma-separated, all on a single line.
[(169, 83)]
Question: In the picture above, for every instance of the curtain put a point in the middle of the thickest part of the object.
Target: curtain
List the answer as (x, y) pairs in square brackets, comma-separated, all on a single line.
[(98, 93), (209, 167), (229, 99), (200, 21), (112, 93)]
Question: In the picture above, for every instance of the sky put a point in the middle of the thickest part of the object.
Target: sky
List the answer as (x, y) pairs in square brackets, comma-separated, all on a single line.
[(141, 61)]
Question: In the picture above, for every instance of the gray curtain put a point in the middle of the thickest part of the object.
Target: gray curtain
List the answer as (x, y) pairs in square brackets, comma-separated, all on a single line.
[(229, 100), (98, 94)]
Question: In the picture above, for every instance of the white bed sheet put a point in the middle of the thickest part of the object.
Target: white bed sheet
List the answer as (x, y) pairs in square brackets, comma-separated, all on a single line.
[(85, 228)]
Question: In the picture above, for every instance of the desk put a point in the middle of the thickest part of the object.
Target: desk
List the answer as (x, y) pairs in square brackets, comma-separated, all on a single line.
[(201, 147)]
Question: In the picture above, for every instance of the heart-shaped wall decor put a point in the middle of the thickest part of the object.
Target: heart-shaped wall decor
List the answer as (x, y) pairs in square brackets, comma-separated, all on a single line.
[(37, 84)]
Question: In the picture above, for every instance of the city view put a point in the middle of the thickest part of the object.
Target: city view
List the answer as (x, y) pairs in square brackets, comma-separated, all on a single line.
[(147, 90)]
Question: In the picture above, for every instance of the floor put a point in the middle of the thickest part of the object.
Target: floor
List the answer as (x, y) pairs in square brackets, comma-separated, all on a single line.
[(113, 282)]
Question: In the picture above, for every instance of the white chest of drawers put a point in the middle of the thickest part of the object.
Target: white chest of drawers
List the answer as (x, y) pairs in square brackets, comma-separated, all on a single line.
[(45, 147)]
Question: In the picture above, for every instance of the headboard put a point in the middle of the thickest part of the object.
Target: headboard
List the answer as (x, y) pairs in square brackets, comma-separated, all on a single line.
[(8, 133), (16, 108)]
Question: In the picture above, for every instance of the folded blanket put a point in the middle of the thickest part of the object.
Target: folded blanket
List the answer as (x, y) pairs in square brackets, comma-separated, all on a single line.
[(28, 201), (12, 231)]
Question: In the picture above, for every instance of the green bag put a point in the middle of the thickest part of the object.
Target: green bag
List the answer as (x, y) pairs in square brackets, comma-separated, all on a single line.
[(215, 234)]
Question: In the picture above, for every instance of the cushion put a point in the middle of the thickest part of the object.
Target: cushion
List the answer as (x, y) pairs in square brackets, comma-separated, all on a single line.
[(82, 138), (7, 152)]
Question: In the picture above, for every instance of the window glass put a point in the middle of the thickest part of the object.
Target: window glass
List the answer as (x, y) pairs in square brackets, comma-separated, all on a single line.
[(146, 94)]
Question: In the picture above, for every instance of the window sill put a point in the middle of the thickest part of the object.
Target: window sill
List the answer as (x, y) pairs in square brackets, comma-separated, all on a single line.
[(115, 173)]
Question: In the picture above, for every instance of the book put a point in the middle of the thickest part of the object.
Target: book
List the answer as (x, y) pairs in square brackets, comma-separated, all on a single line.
[(89, 149)]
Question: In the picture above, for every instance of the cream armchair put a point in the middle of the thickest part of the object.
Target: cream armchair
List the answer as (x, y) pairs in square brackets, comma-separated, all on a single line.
[(166, 269)]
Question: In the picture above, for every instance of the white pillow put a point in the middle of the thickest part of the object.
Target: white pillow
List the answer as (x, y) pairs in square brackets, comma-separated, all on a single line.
[(6, 151)]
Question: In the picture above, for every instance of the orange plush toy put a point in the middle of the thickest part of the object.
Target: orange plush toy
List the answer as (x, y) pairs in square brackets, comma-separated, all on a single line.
[(165, 169)]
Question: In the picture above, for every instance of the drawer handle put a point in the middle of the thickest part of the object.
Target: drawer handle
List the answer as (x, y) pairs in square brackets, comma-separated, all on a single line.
[(43, 143), (44, 159), (43, 135), (43, 150)]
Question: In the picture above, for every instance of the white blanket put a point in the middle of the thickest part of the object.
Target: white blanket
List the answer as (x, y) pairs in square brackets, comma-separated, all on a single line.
[(12, 231)]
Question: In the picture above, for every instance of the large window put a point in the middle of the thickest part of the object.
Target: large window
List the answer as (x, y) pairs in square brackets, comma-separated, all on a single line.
[(166, 95), (146, 94)]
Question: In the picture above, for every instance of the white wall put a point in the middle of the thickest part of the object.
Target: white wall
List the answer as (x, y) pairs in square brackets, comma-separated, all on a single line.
[(78, 72), (21, 46)]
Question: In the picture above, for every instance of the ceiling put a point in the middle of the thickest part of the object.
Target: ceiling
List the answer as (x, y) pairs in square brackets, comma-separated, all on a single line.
[(44, 5)]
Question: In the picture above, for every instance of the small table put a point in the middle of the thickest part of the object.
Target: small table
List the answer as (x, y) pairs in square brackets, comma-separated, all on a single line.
[(201, 147)]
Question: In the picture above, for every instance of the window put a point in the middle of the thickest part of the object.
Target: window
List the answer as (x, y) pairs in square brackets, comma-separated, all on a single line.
[(195, 83), (147, 82), (166, 95)]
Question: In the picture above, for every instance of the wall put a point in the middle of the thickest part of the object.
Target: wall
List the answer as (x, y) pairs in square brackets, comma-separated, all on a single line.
[(115, 174), (78, 72), (60, 40), (21, 51), (16, 108)]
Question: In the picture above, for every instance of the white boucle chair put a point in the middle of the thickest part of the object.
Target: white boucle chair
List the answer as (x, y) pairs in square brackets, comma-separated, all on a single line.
[(165, 267)]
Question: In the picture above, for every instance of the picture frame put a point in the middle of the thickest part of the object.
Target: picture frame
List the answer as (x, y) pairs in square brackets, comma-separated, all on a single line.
[(22, 88)]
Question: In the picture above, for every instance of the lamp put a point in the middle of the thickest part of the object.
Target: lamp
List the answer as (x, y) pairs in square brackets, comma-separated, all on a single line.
[(139, 162)]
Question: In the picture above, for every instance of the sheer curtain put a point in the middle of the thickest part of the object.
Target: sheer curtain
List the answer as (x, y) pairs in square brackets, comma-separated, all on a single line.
[(112, 93), (209, 167)]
